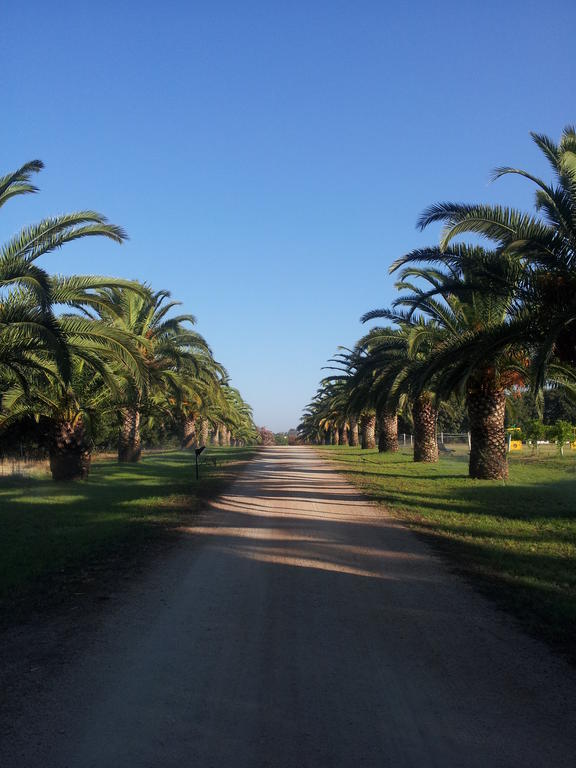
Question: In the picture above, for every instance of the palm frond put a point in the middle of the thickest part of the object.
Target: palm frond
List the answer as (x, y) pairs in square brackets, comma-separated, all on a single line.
[(18, 182)]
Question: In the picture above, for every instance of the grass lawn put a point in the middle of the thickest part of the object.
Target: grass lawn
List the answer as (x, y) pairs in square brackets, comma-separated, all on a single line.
[(50, 528), (516, 539)]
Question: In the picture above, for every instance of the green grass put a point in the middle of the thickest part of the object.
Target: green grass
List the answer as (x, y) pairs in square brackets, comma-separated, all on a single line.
[(50, 528), (515, 539)]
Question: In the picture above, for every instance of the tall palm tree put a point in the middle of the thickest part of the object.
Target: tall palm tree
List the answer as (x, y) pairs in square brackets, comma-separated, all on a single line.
[(189, 405), (240, 425), (309, 429), (335, 407), (27, 319), (317, 425), (195, 385), (458, 297), (365, 405), (66, 408), (394, 357), (544, 245), (345, 403), (166, 344)]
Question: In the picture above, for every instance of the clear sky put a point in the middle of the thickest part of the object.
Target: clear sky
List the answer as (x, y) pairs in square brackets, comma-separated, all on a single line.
[(269, 159)]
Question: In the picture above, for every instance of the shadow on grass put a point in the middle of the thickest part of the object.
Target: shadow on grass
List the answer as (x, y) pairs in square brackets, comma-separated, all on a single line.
[(532, 577), (537, 501), (516, 539), (48, 527)]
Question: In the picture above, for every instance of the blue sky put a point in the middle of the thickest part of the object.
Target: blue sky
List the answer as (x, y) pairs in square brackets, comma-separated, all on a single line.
[(269, 159)]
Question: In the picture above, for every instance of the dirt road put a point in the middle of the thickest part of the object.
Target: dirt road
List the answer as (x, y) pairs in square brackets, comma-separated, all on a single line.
[(295, 627)]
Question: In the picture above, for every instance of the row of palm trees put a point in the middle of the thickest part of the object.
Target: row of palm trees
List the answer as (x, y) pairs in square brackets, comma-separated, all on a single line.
[(76, 348), (480, 321)]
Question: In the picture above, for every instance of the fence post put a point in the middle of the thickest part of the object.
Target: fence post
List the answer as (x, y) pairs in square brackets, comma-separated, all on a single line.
[(469, 442), (442, 437)]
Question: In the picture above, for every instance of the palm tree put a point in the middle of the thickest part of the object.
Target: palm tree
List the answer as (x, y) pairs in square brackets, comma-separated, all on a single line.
[(344, 404), (459, 298), (240, 424), (309, 429), (319, 418), (166, 344), (354, 440), (336, 413), (66, 408), (543, 244), (27, 321), (365, 409), (394, 357), (62, 420), (368, 429), (204, 430), (190, 403), (36, 347), (196, 385), (387, 426)]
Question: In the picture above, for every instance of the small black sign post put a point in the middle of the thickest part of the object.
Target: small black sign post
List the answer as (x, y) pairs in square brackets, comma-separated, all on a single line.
[(198, 451)]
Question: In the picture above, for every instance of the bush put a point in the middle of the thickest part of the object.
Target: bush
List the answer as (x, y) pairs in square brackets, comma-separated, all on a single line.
[(562, 432), (534, 430)]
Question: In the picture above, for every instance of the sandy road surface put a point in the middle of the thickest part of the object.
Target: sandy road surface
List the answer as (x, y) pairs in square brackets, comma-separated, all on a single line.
[(295, 627)]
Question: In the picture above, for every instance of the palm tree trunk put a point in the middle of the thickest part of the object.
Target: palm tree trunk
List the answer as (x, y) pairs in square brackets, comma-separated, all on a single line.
[(189, 432), (335, 436), (343, 435), (129, 448), (367, 429), (425, 439), (69, 451), (204, 431), (221, 435), (354, 441), (388, 432), (486, 412)]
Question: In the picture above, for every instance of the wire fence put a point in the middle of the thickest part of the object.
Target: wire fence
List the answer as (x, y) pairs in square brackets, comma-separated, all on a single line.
[(454, 438), (22, 461), (24, 466), (445, 439)]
